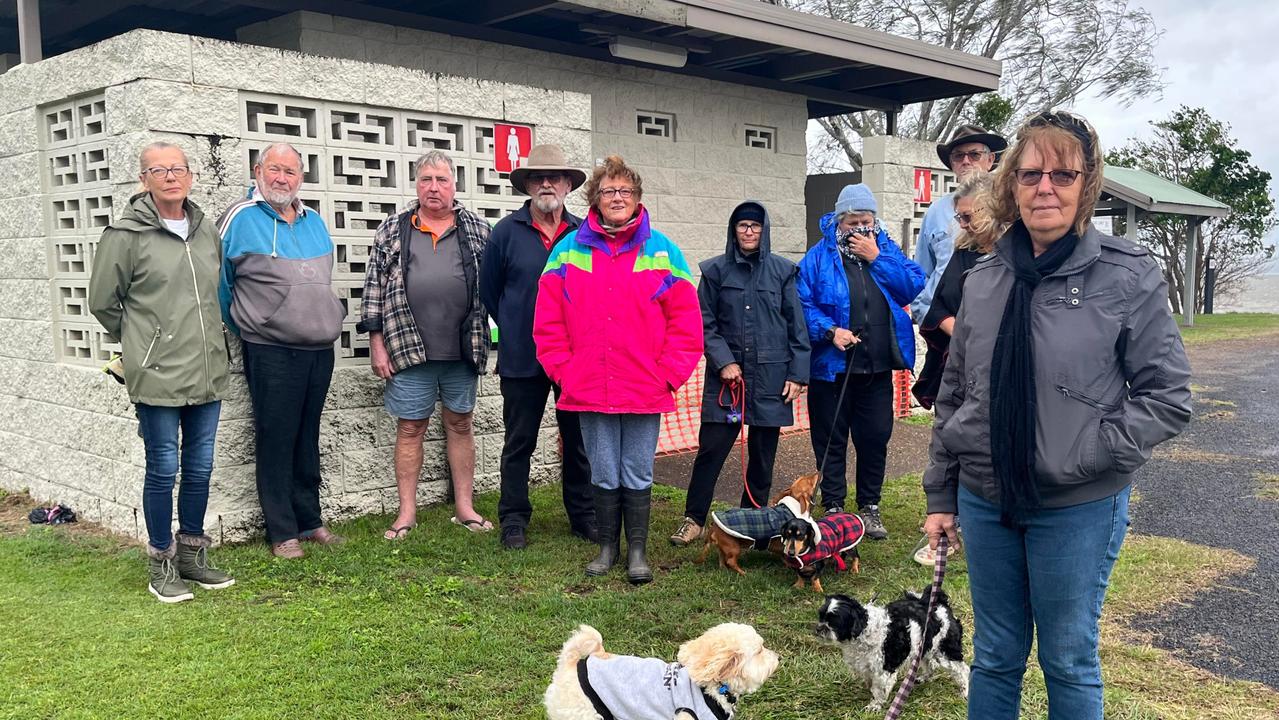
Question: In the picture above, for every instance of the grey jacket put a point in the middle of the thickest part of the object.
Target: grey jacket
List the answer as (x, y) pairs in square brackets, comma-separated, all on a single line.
[(1111, 376)]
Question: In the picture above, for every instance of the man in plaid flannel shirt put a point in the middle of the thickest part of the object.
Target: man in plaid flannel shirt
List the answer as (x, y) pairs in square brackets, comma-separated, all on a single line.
[(428, 331)]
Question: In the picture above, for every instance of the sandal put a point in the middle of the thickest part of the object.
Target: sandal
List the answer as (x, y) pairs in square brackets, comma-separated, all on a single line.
[(396, 534), (475, 526), (925, 555)]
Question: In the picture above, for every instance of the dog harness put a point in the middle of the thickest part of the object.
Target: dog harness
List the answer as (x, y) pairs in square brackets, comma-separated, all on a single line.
[(837, 534), (632, 688), (757, 523)]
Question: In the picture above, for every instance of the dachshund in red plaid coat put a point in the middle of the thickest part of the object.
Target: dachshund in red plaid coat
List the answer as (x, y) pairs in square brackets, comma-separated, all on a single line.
[(807, 546)]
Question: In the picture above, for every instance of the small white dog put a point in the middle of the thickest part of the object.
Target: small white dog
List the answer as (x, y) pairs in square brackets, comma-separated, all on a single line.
[(880, 642), (714, 670)]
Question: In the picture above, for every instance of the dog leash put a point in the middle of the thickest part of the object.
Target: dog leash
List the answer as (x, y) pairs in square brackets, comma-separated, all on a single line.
[(737, 413), (939, 572)]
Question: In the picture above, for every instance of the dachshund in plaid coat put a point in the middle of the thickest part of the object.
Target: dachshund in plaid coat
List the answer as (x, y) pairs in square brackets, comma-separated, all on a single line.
[(733, 532)]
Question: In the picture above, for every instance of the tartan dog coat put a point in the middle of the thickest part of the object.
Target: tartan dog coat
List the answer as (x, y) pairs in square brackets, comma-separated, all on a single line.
[(836, 534), (757, 523)]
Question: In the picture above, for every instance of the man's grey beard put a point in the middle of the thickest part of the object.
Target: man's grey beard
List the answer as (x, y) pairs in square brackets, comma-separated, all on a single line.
[(278, 199), (547, 203)]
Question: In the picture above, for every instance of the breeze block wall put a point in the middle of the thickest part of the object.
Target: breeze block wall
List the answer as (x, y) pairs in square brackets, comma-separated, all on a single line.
[(71, 128), (702, 146)]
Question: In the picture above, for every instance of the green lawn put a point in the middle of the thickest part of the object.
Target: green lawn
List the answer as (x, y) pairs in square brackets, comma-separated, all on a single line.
[(447, 624), (1229, 326)]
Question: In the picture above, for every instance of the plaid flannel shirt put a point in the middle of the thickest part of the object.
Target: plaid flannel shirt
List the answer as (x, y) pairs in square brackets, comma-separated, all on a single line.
[(384, 306)]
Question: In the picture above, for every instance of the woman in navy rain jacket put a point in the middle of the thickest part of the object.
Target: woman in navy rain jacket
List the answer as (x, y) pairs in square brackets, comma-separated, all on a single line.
[(756, 362), (853, 285)]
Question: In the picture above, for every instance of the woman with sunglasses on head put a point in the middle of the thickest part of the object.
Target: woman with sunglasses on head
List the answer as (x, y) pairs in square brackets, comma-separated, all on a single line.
[(618, 329), (756, 362), (977, 235), (1065, 370), (154, 288)]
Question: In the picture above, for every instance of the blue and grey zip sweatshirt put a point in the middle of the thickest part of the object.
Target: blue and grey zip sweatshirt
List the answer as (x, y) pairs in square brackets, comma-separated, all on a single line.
[(277, 277)]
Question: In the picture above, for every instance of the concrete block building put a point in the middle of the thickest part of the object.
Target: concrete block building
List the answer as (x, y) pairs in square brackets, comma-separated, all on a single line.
[(709, 99)]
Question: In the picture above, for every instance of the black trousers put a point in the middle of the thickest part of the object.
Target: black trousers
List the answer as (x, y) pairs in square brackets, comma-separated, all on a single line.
[(288, 389), (523, 405), (715, 441), (867, 415)]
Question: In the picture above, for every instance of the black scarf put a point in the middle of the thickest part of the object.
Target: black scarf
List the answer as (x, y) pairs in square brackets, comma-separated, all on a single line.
[(1012, 377)]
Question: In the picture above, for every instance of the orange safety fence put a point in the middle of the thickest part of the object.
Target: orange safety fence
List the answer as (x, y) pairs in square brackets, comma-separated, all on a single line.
[(679, 428)]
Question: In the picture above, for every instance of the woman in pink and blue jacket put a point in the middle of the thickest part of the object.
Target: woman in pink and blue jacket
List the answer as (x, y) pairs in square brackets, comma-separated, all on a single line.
[(618, 328)]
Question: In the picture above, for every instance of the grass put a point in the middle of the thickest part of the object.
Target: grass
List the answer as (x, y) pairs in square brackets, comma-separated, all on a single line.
[(1269, 485), (446, 624), (920, 419), (1230, 326)]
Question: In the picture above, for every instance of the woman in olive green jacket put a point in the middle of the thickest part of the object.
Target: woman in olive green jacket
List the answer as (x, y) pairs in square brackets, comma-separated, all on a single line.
[(154, 288)]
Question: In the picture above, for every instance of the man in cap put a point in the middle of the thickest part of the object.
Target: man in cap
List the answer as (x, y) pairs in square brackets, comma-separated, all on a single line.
[(970, 148), (512, 267)]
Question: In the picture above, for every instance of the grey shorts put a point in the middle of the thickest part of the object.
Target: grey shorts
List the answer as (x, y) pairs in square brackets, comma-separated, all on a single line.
[(411, 393)]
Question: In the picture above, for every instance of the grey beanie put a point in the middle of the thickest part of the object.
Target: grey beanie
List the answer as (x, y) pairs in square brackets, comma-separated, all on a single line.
[(856, 198)]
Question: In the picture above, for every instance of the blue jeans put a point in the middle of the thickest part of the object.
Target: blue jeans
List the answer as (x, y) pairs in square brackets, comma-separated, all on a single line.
[(1049, 578), (160, 425), (620, 449)]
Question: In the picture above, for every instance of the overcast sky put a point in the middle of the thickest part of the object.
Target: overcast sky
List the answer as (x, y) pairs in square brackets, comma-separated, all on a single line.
[(1219, 55), (1222, 55)]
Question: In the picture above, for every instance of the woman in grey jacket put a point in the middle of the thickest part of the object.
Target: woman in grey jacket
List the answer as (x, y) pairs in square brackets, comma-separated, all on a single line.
[(154, 288), (1065, 370)]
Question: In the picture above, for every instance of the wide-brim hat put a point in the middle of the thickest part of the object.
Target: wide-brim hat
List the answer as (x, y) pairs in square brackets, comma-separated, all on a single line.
[(965, 134), (545, 158)]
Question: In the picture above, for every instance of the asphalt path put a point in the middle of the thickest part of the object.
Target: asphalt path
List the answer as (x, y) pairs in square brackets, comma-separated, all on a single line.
[(1204, 487)]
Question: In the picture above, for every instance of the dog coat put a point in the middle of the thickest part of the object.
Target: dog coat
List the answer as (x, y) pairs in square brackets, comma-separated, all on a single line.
[(757, 523), (836, 534), (634, 688)]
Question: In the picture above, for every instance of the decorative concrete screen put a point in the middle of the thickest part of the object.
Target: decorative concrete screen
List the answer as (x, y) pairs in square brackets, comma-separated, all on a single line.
[(358, 168), (77, 185), (71, 128)]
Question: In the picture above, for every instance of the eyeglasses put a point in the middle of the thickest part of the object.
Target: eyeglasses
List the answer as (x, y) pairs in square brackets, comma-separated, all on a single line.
[(749, 227), (963, 219), (971, 155), (1060, 178), (623, 193), (539, 178), (178, 172)]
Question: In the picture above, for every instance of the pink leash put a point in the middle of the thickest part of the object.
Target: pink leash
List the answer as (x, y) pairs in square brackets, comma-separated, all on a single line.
[(939, 572)]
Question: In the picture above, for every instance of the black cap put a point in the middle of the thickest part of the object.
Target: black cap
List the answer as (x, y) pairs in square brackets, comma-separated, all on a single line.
[(747, 211)]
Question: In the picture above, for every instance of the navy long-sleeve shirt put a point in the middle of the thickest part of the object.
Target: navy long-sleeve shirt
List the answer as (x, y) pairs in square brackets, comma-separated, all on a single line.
[(513, 264)]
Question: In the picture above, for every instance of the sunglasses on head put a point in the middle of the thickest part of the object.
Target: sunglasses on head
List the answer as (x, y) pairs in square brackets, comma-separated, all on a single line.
[(1069, 122)]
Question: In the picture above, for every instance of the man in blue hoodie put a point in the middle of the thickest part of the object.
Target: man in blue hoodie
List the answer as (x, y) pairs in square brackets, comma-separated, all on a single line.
[(853, 285), (276, 294)]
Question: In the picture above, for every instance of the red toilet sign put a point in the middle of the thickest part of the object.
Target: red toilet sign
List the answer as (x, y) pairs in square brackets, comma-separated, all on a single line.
[(923, 185), (511, 144)]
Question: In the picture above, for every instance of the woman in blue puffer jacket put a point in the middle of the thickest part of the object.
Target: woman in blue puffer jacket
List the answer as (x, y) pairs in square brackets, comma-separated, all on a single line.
[(853, 285)]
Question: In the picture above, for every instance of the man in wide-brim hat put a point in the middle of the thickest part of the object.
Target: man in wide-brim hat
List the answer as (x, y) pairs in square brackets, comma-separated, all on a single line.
[(970, 148), (513, 263)]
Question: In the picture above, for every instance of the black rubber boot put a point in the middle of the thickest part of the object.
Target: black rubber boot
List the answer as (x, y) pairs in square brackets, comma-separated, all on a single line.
[(608, 521), (635, 508)]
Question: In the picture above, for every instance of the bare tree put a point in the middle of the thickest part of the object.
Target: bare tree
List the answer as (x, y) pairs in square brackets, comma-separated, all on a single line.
[(1053, 52)]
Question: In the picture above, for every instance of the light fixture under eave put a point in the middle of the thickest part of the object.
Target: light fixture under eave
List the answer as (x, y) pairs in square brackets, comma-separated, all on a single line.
[(646, 51)]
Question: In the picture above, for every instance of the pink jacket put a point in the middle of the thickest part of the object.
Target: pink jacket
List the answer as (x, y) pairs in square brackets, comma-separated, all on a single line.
[(617, 324)]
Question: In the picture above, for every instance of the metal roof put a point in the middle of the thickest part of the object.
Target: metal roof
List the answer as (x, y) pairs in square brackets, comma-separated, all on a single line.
[(1152, 193), (839, 67)]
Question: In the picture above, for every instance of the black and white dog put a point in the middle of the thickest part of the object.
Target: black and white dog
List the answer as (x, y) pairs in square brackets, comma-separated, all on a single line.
[(880, 642)]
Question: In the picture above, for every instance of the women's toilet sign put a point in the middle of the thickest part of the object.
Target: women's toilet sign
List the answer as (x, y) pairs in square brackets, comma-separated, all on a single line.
[(923, 185), (511, 144)]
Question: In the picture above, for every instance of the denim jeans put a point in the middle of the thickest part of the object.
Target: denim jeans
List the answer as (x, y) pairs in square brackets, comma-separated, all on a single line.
[(620, 449), (1048, 579), (160, 426)]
